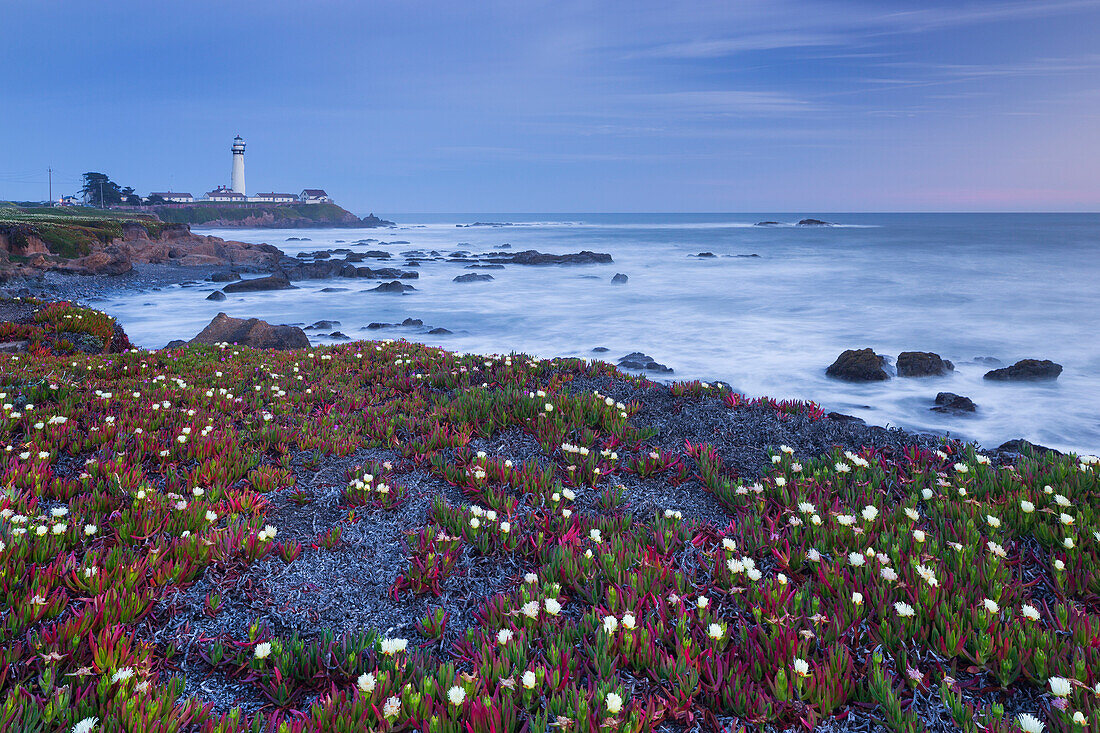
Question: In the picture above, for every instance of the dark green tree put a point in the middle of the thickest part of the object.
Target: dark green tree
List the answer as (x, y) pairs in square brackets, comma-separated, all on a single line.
[(155, 199), (100, 190)]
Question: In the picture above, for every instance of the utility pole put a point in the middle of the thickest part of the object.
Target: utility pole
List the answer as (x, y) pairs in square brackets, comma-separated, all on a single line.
[(50, 171)]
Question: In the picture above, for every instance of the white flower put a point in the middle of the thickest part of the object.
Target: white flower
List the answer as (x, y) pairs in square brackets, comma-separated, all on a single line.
[(961, 467), (1061, 500), (888, 574), (805, 507), (59, 511), (715, 631), (857, 599), (528, 680), (456, 695), (394, 646), (263, 650), (530, 609), (505, 635), (552, 606), (869, 513), (1060, 686), (991, 605), (1030, 612), (610, 623), (1079, 718), (702, 602), (1030, 724), (366, 682), (530, 578), (903, 609), (629, 622), (211, 516), (926, 494), (595, 536), (1026, 506), (614, 703), (123, 674), (86, 725), (992, 521), (912, 513), (1065, 518), (801, 668), (856, 559), (391, 707)]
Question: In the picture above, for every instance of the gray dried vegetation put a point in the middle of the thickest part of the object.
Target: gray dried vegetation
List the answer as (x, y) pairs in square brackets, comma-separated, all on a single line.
[(348, 589)]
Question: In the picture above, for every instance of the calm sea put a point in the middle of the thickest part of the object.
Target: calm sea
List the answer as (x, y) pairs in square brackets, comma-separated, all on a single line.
[(1007, 286)]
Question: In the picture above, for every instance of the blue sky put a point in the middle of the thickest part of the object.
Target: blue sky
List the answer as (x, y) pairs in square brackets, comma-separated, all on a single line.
[(565, 106)]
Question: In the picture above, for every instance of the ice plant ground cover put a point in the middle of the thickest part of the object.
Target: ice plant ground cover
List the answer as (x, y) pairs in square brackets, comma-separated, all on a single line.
[(576, 549)]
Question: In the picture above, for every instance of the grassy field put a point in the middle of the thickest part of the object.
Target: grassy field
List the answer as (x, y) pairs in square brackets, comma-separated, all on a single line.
[(70, 232), (203, 213)]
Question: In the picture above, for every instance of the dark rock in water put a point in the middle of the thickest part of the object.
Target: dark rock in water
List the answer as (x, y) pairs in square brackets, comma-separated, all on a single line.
[(532, 257), (251, 332), (484, 267), (412, 322), (334, 290), (814, 223), (339, 241), (988, 361), (278, 281), (1023, 447), (376, 254), (399, 241), (841, 417), (858, 365), (766, 224), (339, 336), (392, 287), (600, 350), (705, 254), (375, 326), (412, 263), (639, 361), (619, 278), (752, 255), (439, 332), (502, 246), (175, 344), (322, 255), (298, 239), (225, 276), (1027, 370), (922, 364), (952, 403), (216, 295), (473, 277), (323, 325)]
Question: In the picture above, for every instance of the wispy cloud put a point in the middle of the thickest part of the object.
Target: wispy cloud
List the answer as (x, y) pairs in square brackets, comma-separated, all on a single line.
[(718, 47), (729, 102)]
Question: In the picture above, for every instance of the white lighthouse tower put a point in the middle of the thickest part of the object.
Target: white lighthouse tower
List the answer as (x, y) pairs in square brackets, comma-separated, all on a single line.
[(238, 165)]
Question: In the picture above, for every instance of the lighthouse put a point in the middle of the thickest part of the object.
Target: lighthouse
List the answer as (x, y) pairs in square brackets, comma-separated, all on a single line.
[(238, 165)]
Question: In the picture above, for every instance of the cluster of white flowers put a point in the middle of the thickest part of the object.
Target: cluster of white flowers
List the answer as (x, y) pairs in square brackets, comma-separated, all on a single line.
[(745, 565), (367, 483), (267, 533), (391, 647)]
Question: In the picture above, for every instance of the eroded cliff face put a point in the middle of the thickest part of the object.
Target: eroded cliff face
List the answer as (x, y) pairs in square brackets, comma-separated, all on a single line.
[(26, 254)]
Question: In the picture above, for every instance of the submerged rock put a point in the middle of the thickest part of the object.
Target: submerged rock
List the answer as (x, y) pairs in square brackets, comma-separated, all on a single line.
[(988, 361), (216, 295), (639, 361), (532, 257), (1027, 370), (391, 287), (473, 277), (705, 254), (439, 332), (619, 278), (766, 224), (922, 364), (951, 403), (225, 276), (814, 223), (251, 332), (323, 326), (278, 281), (858, 365)]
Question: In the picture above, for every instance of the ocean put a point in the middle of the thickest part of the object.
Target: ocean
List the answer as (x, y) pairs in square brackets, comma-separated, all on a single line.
[(1006, 286)]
